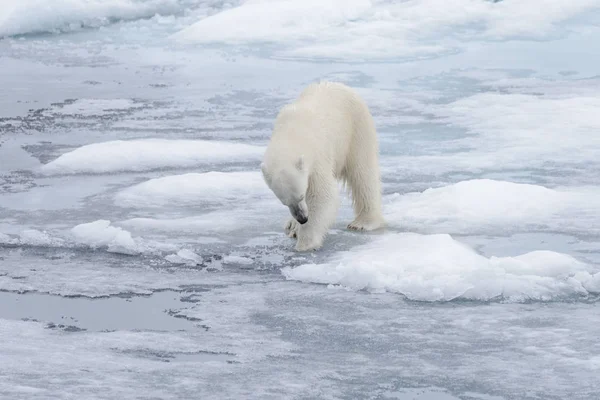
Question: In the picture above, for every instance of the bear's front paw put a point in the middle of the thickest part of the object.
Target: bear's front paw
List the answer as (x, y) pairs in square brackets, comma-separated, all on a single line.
[(291, 228), (308, 244)]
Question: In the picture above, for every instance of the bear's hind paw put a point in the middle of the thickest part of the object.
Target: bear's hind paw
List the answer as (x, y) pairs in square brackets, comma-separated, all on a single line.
[(366, 224)]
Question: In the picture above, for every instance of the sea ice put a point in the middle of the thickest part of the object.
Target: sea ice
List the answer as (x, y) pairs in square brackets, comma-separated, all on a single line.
[(360, 29), (439, 268), (148, 154), (100, 234), (485, 205), (37, 16), (196, 188)]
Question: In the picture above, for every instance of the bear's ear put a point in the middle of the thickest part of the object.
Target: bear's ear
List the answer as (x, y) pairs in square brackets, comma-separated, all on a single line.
[(300, 163)]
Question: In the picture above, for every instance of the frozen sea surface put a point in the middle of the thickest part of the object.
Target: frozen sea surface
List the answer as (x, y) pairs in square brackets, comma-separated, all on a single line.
[(142, 256)]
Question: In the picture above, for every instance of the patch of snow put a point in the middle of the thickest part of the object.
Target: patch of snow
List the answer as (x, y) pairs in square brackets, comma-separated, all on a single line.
[(184, 256), (233, 259), (148, 154), (484, 205), (38, 16), (363, 29), (439, 268), (195, 188), (101, 234)]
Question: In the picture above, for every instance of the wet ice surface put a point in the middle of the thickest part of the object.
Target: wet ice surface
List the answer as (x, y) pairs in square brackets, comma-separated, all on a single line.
[(141, 256)]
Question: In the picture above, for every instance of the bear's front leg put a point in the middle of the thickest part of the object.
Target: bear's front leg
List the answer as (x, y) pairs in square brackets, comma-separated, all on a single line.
[(322, 202)]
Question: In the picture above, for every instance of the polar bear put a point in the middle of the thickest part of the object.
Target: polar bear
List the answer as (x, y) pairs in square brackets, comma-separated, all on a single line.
[(325, 136)]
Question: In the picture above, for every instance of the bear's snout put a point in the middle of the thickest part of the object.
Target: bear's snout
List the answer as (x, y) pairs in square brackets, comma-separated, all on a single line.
[(299, 213), (302, 219)]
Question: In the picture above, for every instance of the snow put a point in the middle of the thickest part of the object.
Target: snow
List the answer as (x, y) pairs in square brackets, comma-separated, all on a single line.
[(184, 256), (367, 30), (234, 259), (212, 187), (486, 205), (148, 154), (136, 230), (101, 234), (439, 268), (37, 16), (517, 129)]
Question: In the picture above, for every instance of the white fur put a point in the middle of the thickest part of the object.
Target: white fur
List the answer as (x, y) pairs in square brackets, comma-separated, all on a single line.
[(326, 135)]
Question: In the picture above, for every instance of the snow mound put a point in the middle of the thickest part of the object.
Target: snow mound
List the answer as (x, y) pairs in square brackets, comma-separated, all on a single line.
[(439, 268), (148, 154), (184, 256), (481, 205), (101, 234), (194, 188), (32, 237), (38, 16), (363, 29)]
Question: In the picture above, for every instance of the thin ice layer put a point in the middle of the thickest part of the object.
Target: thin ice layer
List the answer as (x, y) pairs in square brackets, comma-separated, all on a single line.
[(439, 268), (149, 154)]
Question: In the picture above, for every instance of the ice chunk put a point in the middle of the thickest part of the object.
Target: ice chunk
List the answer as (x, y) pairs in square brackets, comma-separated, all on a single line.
[(5, 239), (32, 237), (233, 259), (361, 29), (148, 154), (184, 256), (36, 16), (481, 205), (439, 268), (100, 234), (194, 188)]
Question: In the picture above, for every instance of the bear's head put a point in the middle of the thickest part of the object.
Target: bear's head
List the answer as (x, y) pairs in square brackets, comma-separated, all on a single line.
[(289, 182)]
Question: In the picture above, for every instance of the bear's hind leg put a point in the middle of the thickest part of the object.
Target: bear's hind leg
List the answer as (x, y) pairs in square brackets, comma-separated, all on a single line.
[(364, 181), (322, 201)]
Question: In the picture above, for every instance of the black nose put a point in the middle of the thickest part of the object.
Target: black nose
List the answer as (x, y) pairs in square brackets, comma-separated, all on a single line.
[(302, 220)]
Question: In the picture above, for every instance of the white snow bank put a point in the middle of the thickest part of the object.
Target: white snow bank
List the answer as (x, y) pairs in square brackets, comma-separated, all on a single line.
[(230, 221), (95, 235), (439, 268), (482, 205), (195, 188), (147, 154), (36, 16), (380, 29), (101, 234)]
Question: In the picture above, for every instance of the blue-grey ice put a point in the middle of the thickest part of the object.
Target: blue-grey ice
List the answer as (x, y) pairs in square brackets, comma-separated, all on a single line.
[(142, 255)]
